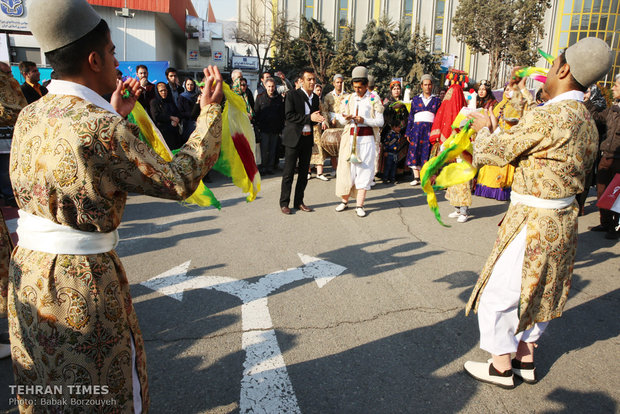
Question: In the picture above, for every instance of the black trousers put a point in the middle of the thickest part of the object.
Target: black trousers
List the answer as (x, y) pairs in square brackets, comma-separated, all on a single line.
[(298, 155)]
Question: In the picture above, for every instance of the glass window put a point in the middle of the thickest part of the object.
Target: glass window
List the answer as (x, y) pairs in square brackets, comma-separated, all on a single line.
[(441, 4), (565, 22), (343, 17), (587, 6), (574, 23), (605, 7), (437, 43), (585, 20), (439, 15), (563, 40), (577, 6), (408, 6), (568, 6), (611, 23), (572, 38), (594, 22), (614, 6), (308, 9), (596, 6)]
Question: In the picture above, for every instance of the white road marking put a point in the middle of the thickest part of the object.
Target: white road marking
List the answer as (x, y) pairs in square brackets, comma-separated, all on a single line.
[(266, 386)]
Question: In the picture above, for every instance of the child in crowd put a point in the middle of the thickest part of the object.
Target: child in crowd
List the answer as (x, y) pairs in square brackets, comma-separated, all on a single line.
[(390, 149)]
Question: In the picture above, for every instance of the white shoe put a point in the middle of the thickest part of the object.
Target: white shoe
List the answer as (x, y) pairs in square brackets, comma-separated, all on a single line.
[(5, 350), (322, 177), (309, 176), (360, 212), (454, 214), (373, 183), (414, 182), (462, 218), (486, 372), (341, 207), (525, 370)]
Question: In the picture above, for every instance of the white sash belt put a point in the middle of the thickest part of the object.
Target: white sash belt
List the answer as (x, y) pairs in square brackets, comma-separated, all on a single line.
[(424, 116), (531, 201), (43, 235)]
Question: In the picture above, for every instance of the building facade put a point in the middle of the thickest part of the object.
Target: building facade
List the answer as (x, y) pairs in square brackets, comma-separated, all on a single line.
[(142, 30), (565, 22)]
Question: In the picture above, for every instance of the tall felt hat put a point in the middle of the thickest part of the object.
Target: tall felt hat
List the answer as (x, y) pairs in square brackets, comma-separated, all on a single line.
[(58, 23), (589, 60), (359, 72)]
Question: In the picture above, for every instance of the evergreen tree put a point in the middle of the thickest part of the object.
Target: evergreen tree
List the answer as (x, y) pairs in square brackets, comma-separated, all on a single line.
[(507, 30), (343, 61), (289, 54), (423, 61), (374, 52), (391, 52), (319, 47)]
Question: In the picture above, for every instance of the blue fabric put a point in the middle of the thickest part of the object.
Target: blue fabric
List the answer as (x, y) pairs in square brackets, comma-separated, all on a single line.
[(418, 132)]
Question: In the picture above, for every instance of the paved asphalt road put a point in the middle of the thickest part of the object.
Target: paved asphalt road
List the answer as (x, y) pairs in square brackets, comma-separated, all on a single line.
[(386, 335)]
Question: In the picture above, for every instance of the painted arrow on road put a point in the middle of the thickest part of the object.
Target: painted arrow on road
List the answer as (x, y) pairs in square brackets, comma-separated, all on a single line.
[(265, 386)]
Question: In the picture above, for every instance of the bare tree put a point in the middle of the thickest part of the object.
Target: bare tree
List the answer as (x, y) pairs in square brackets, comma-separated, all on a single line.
[(256, 27)]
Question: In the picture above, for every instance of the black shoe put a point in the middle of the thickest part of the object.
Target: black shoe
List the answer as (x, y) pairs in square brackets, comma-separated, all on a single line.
[(600, 228)]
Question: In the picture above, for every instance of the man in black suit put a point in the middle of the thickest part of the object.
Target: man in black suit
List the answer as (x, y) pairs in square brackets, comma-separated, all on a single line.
[(301, 109), (31, 88)]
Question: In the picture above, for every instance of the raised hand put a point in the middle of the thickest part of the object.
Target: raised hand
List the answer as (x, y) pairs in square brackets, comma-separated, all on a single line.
[(212, 92), (122, 103)]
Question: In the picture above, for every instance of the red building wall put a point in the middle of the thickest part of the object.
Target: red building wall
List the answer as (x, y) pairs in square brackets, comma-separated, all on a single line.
[(176, 8)]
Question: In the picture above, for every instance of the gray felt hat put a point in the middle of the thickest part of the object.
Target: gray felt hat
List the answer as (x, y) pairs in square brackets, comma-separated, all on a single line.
[(426, 77), (589, 60), (57, 23), (337, 76), (360, 72)]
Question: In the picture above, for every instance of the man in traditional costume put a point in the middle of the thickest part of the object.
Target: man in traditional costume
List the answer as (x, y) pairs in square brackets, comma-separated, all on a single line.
[(12, 101), (363, 116), (74, 159), (421, 117), (333, 105), (526, 280)]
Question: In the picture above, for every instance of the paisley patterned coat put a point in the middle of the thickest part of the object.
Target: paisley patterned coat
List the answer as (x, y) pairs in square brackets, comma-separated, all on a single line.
[(71, 316), (552, 147), (11, 103)]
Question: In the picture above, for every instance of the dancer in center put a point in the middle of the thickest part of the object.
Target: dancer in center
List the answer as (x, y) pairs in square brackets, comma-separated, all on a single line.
[(363, 116)]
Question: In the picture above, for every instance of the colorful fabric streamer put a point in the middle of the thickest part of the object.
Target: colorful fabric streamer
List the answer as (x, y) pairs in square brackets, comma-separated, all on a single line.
[(236, 156), (546, 55), (451, 174), (539, 78), (530, 70)]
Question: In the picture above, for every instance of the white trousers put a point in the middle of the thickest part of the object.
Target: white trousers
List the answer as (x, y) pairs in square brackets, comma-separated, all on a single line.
[(497, 311), (363, 173)]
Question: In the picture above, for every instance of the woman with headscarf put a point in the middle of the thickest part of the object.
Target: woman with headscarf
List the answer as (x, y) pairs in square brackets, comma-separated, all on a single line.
[(495, 182), (187, 103), (421, 119), (395, 112), (485, 99), (166, 116), (459, 195)]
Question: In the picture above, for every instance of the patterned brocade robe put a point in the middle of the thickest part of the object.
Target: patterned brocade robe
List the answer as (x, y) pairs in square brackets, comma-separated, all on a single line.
[(71, 316), (552, 147), (11, 103)]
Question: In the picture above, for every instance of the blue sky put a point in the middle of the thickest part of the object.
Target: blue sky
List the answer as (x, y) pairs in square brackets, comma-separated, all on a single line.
[(223, 9)]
